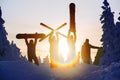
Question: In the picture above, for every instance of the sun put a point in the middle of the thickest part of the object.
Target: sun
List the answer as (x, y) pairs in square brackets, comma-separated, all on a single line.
[(63, 48)]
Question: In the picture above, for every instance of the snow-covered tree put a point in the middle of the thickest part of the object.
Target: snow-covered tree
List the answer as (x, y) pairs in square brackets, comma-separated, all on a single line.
[(107, 19), (7, 51), (117, 41), (3, 39)]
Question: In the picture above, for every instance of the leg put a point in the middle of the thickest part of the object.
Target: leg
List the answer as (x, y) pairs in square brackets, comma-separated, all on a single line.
[(36, 60), (29, 58), (88, 61)]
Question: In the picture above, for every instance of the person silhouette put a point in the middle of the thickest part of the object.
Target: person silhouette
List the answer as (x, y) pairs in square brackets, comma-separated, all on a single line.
[(54, 40), (31, 50), (71, 47), (86, 51)]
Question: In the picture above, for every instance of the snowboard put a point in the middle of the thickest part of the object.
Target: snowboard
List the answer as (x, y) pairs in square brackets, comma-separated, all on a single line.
[(25, 35)]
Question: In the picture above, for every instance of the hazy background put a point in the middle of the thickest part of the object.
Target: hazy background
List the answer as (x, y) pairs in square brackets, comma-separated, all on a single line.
[(24, 16)]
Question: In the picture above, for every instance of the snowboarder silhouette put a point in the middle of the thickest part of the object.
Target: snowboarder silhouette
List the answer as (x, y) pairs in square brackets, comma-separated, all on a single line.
[(86, 51), (71, 45), (31, 50), (54, 40)]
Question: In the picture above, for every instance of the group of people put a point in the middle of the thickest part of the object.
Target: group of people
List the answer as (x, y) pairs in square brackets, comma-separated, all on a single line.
[(55, 57), (54, 49), (31, 49)]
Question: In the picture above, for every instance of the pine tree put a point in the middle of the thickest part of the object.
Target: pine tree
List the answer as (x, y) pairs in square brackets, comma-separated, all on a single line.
[(7, 51), (107, 19), (3, 39), (117, 41)]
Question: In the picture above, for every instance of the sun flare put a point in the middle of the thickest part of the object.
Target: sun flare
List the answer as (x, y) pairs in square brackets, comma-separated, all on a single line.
[(63, 48)]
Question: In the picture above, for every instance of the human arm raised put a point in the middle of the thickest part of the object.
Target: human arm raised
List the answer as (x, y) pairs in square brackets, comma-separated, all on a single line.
[(35, 42), (26, 41)]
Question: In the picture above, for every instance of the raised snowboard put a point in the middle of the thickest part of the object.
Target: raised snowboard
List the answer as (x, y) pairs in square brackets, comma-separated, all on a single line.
[(36, 35)]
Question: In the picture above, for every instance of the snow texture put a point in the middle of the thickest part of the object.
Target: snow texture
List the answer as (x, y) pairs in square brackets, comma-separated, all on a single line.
[(23, 70)]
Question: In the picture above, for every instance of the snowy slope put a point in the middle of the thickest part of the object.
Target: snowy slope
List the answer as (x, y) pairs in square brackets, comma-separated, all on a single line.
[(23, 70), (111, 72), (19, 70)]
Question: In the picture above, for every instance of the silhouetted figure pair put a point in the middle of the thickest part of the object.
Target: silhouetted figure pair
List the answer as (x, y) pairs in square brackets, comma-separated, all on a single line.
[(54, 54), (31, 50), (86, 51)]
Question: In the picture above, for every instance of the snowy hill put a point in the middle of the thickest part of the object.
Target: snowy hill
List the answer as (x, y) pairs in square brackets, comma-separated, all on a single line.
[(20, 70), (105, 73)]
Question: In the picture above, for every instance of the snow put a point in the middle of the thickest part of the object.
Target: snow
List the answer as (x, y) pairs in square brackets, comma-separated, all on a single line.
[(20, 70), (23, 70), (106, 73)]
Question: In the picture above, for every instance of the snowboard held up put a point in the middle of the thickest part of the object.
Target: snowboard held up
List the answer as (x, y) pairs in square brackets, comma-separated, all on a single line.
[(25, 35)]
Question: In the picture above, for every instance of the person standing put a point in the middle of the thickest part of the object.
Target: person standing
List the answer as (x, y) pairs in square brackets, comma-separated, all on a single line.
[(86, 51), (54, 41), (31, 50), (71, 46)]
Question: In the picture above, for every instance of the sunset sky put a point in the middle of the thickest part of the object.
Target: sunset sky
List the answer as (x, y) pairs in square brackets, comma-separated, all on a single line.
[(24, 16)]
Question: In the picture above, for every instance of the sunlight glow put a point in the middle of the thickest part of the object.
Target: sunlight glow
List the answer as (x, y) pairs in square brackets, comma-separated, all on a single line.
[(63, 48)]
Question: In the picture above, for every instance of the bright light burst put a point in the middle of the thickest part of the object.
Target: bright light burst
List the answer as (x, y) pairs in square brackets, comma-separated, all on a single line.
[(63, 48)]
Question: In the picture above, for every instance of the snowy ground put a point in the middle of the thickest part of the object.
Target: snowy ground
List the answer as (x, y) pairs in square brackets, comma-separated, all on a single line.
[(19, 70)]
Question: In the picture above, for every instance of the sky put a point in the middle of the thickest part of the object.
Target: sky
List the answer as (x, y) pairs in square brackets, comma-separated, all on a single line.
[(25, 16)]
